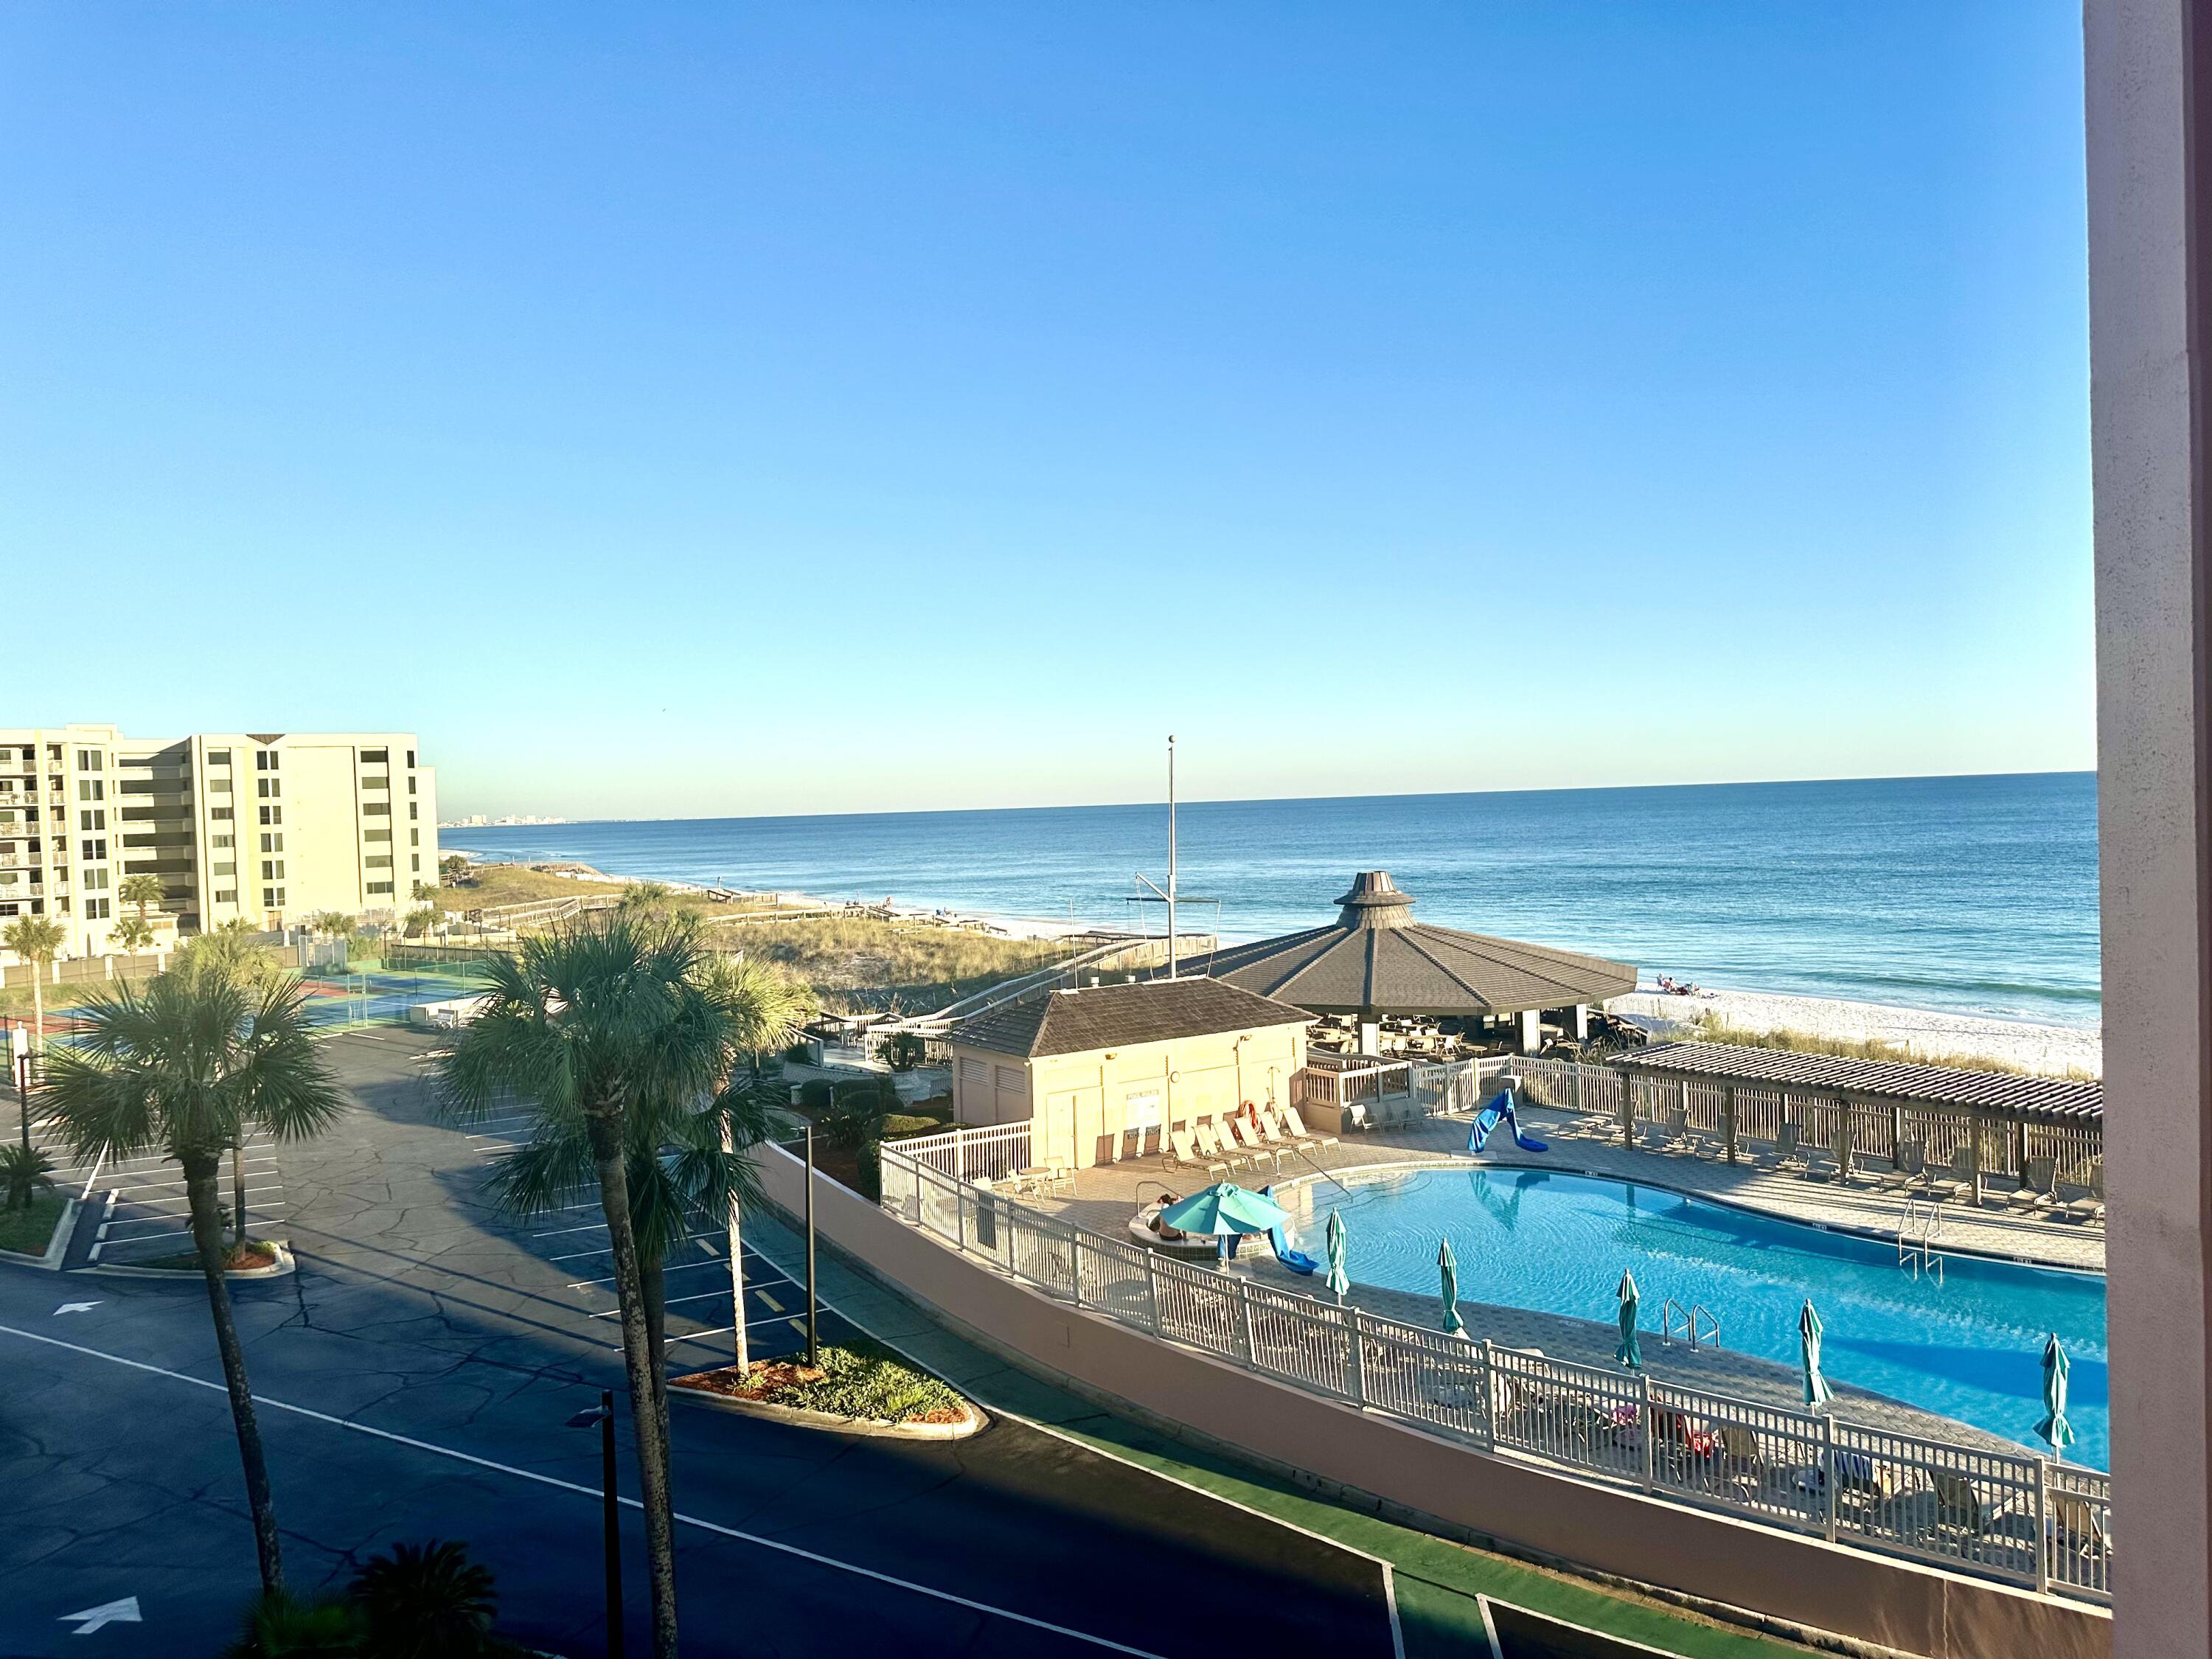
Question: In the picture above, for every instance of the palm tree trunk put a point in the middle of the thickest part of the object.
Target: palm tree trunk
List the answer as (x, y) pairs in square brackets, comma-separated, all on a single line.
[(656, 1290), (737, 1264), (238, 1191), (647, 1420), (202, 1172)]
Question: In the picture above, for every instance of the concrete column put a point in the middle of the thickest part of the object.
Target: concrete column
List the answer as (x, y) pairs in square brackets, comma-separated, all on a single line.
[(2149, 97), (1532, 1031), (1370, 1032)]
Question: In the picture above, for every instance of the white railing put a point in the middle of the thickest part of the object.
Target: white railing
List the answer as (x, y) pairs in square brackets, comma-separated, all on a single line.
[(2009, 1515)]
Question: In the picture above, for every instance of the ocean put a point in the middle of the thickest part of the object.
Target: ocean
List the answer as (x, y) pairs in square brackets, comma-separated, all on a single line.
[(1972, 893)]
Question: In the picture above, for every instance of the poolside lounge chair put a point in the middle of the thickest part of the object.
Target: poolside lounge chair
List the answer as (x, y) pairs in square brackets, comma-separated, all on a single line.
[(1910, 1168), (1677, 1130), (2074, 1525), (1295, 1125), (1957, 1504), (1186, 1153), (1786, 1149), (1250, 1138), (1272, 1132), (1214, 1141), (1742, 1463), (1958, 1181), (2091, 1208), (2035, 1188)]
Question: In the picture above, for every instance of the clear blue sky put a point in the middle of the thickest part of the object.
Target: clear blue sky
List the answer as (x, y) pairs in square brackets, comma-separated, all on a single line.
[(687, 410)]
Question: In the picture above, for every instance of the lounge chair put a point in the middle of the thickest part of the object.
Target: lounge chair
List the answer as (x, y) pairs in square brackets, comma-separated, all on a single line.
[(2091, 1208), (1186, 1153), (1956, 1181), (1676, 1132), (1250, 1138), (2074, 1525), (2035, 1188), (1957, 1504), (1210, 1143), (1788, 1149), (1910, 1168), (1271, 1129), (1742, 1463), (1295, 1125)]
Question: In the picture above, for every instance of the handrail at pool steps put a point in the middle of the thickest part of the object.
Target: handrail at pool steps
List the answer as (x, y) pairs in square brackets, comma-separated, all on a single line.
[(2006, 1515)]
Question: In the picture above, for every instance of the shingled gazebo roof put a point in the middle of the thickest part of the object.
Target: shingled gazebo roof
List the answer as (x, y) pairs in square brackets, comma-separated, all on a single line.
[(1376, 957)]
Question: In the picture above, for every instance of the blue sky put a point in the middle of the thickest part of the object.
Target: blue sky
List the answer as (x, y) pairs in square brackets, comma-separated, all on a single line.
[(692, 409)]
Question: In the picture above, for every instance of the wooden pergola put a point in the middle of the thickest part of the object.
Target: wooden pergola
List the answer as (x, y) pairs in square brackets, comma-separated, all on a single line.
[(1869, 1105)]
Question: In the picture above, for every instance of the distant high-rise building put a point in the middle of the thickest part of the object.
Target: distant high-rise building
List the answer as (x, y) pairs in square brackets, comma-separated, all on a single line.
[(272, 827)]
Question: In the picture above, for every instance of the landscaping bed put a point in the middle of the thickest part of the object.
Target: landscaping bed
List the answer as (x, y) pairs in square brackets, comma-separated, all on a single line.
[(253, 1257), (29, 1232), (860, 1382)]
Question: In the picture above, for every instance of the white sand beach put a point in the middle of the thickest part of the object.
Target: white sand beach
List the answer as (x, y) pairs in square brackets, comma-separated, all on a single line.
[(2055, 1049)]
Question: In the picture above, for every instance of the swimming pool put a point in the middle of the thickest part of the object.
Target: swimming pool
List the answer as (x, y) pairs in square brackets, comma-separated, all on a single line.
[(1969, 1347)]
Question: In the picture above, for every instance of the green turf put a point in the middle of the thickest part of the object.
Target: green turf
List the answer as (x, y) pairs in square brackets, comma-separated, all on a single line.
[(30, 1231), (1437, 1581)]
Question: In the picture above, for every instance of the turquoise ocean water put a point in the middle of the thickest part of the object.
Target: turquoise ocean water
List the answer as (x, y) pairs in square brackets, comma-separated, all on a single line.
[(1975, 894)]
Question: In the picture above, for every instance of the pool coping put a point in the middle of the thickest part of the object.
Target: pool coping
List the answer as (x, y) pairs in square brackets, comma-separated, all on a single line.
[(1451, 1160)]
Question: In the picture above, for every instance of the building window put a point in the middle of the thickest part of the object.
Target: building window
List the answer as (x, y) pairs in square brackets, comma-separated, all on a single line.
[(377, 863), (264, 760), (220, 814), (272, 869), (376, 835), (95, 910), (413, 811), (93, 818), (230, 869), (376, 757), (226, 896), (414, 837), (220, 840), (87, 760), (272, 814), (380, 887), (411, 757), (272, 897), (95, 849), (273, 843), (410, 783), (218, 757), (218, 786), (267, 787), (95, 878), (376, 809), (90, 789), (417, 861)]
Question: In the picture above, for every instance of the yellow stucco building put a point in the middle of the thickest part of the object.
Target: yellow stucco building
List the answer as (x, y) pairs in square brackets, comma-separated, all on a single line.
[(1104, 1072)]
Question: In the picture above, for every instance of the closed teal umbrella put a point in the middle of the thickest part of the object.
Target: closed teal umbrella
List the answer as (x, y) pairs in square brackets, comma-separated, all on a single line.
[(1225, 1211), (1338, 1280), (1454, 1326), (1628, 1353), (2054, 1427), (1817, 1392)]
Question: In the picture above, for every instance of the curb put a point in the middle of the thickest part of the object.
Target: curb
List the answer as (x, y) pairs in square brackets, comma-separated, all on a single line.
[(874, 1427), (282, 1268), (57, 1247)]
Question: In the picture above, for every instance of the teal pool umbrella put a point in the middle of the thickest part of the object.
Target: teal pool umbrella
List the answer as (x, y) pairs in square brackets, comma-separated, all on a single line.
[(2054, 1427), (1809, 1337), (1628, 1353), (1224, 1210), (1338, 1280), (1454, 1326)]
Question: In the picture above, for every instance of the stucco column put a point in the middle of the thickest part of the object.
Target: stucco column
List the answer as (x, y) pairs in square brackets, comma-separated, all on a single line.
[(1370, 1032), (1581, 1022), (1532, 1031), (2149, 102)]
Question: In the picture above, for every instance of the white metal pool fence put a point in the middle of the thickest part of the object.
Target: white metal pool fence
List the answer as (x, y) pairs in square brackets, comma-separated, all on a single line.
[(2009, 1515)]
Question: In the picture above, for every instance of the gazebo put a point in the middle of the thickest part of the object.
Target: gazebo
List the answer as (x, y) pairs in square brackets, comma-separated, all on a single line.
[(1377, 960)]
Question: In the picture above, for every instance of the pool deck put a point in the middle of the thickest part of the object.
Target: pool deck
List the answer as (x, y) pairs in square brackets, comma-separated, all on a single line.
[(1104, 1198)]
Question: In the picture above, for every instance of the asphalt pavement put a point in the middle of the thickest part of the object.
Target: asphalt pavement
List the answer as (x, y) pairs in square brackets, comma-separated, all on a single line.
[(416, 1374)]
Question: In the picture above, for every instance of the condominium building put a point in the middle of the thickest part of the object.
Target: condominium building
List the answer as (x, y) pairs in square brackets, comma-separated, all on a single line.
[(269, 827)]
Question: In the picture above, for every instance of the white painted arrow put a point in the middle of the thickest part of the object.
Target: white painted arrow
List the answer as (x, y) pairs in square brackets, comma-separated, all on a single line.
[(124, 1611), (74, 1306)]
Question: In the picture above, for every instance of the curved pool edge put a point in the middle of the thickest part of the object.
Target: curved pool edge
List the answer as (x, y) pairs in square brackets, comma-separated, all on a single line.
[(1870, 1235)]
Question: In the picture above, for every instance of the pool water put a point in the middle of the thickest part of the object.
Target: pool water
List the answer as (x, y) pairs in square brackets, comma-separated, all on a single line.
[(1970, 1347)]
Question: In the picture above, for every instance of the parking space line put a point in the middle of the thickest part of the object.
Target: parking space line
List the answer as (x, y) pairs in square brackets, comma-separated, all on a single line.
[(665, 1272), (593, 1492), (604, 1248)]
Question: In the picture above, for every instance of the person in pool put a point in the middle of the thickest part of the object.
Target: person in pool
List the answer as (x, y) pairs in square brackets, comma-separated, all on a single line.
[(1168, 1235)]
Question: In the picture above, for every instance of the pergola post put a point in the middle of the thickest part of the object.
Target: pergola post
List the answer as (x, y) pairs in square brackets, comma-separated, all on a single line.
[(1627, 1107), (1581, 1015), (1728, 1118), (1532, 1029)]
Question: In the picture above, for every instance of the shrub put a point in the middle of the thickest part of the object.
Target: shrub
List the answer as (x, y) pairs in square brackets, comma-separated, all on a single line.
[(901, 1123)]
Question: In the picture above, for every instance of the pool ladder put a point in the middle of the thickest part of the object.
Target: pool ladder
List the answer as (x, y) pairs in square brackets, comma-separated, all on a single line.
[(1918, 1234), (1694, 1323)]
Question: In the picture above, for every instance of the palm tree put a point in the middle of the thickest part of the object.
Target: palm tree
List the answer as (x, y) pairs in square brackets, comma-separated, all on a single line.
[(426, 1601), (593, 1025), (25, 1172), (185, 1066), (144, 889), (35, 940), (232, 952), (132, 932)]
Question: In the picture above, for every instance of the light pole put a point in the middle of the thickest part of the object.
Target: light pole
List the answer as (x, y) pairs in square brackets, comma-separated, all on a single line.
[(814, 1347), (603, 1415)]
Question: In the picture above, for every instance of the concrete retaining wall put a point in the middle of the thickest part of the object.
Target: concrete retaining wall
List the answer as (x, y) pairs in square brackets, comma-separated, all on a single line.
[(1802, 1580)]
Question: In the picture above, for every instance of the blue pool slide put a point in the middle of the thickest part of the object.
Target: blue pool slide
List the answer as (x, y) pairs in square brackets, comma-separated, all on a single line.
[(1297, 1260), (1500, 1111)]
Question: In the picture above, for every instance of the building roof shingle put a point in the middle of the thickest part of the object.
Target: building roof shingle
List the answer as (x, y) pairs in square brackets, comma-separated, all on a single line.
[(1121, 1016)]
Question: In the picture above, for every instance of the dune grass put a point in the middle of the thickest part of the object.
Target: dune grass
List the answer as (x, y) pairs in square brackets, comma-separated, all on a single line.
[(1713, 1028), (858, 964)]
